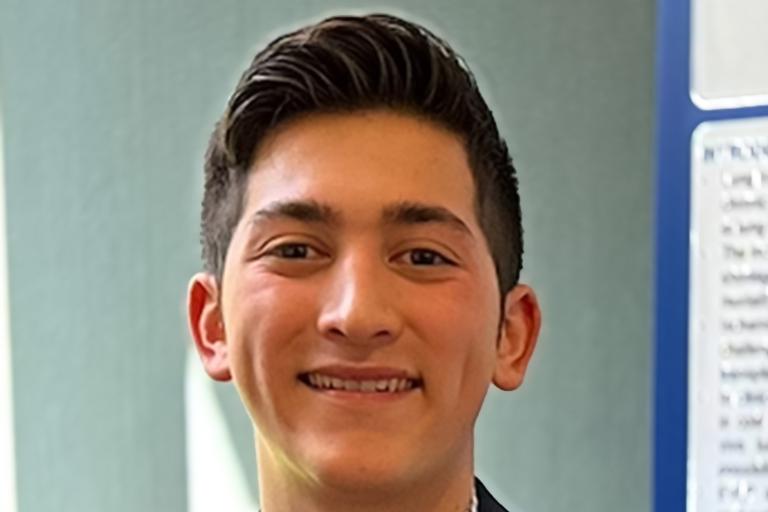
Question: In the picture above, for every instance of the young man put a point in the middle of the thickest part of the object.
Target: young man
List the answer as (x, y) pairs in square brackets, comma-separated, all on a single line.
[(362, 246)]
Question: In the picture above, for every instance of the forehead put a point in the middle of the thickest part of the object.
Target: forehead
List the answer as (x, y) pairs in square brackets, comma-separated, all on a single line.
[(361, 161)]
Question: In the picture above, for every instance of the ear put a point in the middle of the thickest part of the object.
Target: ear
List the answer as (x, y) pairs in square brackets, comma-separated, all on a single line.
[(517, 337), (206, 325)]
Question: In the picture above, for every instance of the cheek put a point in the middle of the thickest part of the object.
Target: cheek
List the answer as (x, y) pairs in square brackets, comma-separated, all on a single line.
[(459, 325), (265, 316)]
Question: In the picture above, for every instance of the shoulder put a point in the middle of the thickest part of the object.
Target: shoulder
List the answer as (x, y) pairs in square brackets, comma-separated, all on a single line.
[(486, 502)]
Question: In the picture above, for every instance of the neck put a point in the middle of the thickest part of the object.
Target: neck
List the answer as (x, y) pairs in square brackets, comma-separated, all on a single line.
[(283, 487)]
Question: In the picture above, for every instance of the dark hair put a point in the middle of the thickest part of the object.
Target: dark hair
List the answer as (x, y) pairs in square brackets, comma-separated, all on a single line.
[(346, 64)]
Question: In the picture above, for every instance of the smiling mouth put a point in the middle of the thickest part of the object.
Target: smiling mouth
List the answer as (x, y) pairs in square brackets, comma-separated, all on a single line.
[(323, 382)]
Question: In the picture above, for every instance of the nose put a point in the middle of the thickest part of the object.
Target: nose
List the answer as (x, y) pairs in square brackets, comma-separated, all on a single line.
[(359, 306)]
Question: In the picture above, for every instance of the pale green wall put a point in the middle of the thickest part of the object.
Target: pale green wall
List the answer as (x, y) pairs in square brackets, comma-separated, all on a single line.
[(107, 107)]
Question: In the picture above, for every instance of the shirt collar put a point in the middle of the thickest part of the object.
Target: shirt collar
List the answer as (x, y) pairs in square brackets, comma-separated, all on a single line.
[(473, 503)]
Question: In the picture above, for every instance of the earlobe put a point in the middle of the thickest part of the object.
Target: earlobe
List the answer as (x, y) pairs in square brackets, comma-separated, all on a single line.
[(517, 338), (206, 325)]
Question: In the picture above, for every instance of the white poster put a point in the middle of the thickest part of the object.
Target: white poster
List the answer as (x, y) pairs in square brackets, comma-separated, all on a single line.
[(729, 51), (728, 323)]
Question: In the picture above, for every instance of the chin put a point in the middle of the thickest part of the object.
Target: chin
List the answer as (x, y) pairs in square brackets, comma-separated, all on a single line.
[(367, 468), (362, 476)]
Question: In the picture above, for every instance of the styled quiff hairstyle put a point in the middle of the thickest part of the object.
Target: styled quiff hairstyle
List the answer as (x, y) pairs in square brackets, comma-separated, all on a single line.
[(351, 64)]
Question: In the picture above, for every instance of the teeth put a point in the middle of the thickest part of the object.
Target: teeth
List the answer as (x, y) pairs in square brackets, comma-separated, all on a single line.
[(320, 381)]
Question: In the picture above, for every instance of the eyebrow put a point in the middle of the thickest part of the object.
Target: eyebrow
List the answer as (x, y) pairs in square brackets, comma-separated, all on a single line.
[(409, 213), (414, 213), (300, 210)]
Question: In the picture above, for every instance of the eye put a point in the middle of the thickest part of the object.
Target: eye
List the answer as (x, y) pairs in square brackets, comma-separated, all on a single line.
[(426, 257), (294, 251)]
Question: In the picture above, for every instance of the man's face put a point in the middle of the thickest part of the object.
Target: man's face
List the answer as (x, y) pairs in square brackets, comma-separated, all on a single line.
[(359, 300)]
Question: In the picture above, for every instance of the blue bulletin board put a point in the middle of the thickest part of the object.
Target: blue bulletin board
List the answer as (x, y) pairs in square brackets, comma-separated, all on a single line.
[(677, 117)]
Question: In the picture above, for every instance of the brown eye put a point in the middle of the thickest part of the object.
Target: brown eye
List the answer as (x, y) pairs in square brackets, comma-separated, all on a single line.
[(425, 257), (293, 251)]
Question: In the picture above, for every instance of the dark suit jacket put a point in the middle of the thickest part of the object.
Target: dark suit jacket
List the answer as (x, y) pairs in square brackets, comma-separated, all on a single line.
[(486, 502)]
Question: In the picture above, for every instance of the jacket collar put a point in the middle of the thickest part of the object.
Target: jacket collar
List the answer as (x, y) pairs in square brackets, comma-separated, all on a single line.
[(485, 501)]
